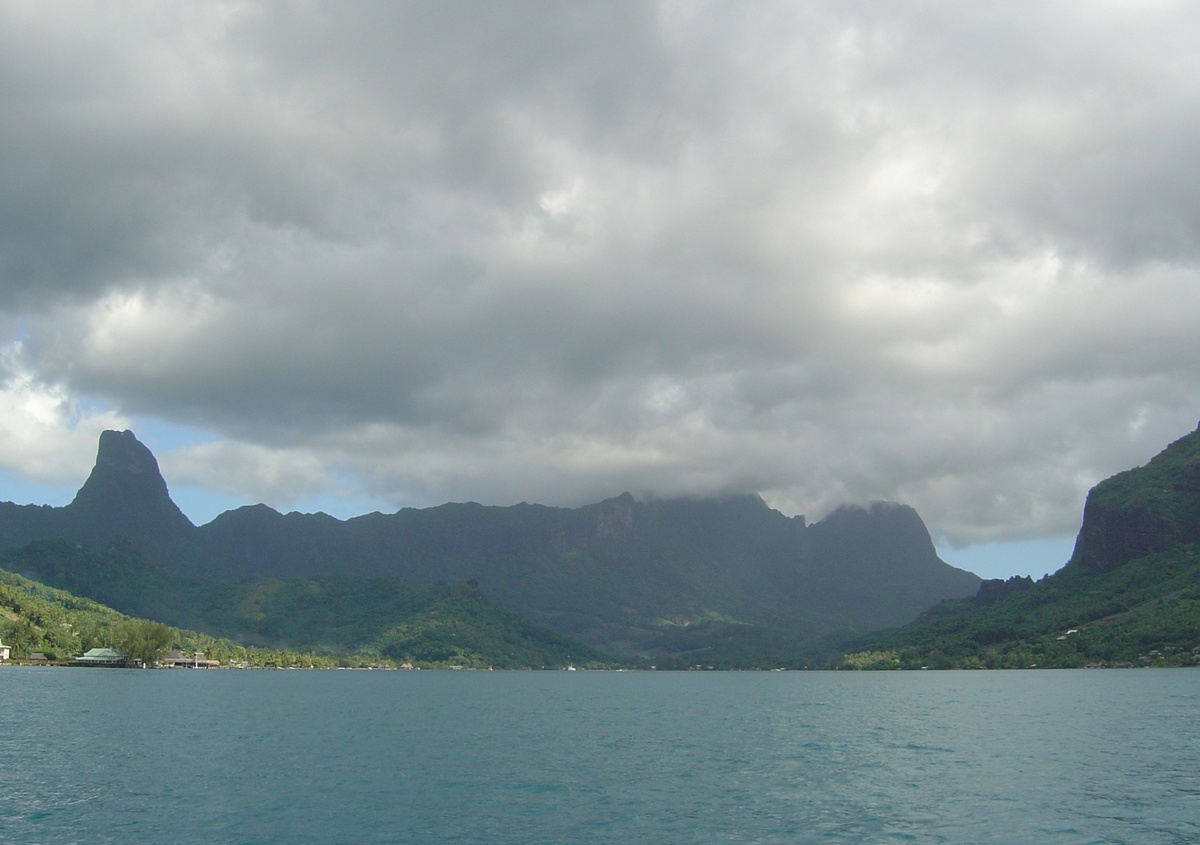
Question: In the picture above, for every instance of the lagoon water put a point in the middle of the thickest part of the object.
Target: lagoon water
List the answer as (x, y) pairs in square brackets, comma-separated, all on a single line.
[(133, 757)]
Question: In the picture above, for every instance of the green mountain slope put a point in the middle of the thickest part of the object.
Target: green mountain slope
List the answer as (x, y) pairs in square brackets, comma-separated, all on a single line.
[(1129, 596), (1141, 511), (57, 624), (334, 616), (626, 576), (678, 579)]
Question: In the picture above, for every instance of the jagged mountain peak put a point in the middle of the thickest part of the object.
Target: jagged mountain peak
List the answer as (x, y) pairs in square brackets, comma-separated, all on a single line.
[(619, 574), (126, 488), (123, 459)]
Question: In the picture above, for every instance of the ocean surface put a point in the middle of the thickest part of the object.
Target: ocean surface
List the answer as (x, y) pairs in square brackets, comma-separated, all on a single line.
[(175, 757)]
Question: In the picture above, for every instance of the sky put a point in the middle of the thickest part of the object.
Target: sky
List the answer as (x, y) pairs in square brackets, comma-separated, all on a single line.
[(362, 256)]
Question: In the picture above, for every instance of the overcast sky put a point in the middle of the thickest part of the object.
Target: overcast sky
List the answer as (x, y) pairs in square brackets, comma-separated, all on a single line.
[(373, 255)]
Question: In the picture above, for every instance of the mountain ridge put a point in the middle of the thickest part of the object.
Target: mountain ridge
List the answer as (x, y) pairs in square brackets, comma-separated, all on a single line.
[(621, 575)]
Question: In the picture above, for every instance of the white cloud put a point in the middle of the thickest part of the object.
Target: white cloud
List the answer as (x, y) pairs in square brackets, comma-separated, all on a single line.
[(48, 437), (944, 254), (279, 476)]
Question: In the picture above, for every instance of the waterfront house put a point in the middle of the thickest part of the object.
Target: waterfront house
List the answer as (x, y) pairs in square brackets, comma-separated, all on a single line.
[(5, 651), (101, 657), (177, 660)]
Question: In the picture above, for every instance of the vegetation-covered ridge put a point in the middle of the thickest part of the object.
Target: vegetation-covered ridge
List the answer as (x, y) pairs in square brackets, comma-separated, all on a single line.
[(1145, 510), (1129, 596), (715, 581), (331, 619), (55, 626)]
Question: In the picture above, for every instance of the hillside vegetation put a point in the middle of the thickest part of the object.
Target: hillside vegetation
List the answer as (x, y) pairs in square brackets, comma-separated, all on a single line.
[(728, 581), (58, 625), (1129, 596), (337, 618)]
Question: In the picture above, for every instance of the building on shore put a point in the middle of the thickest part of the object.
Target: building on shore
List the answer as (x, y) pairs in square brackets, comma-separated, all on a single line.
[(178, 660), (101, 657)]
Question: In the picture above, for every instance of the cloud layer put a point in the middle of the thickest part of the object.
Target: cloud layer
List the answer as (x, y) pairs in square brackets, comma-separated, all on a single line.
[(946, 254)]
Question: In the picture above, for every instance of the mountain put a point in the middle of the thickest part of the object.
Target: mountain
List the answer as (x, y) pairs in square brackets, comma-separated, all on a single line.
[(703, 579), (355, 620), (1155, 508), (57, 625), (618, 573), (124, 496), (126, 493), (1129, 595)]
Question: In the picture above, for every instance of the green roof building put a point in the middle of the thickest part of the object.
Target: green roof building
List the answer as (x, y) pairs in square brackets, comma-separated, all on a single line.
[(101, 657)]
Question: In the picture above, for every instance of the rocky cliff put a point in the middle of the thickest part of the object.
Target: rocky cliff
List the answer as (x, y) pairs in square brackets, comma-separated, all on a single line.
[(1143, 510)]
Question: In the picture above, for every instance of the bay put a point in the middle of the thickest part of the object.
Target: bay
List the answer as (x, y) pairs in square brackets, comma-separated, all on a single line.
[(181, 756)]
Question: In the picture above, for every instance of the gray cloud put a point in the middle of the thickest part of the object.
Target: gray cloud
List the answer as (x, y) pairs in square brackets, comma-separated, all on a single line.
[(936, 253)]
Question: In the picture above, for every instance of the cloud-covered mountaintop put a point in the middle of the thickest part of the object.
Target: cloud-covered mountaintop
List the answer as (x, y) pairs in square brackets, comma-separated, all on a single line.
[(944, 254)]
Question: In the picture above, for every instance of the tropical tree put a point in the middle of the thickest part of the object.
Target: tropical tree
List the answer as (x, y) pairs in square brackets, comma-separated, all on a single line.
[(21, 636), (141, 640)]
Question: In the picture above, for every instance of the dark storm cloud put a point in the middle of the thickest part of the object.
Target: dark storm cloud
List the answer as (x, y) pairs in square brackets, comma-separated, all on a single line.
[(937, 253)]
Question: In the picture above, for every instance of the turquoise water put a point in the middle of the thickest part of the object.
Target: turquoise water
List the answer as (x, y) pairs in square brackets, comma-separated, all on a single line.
[(132, 757)]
